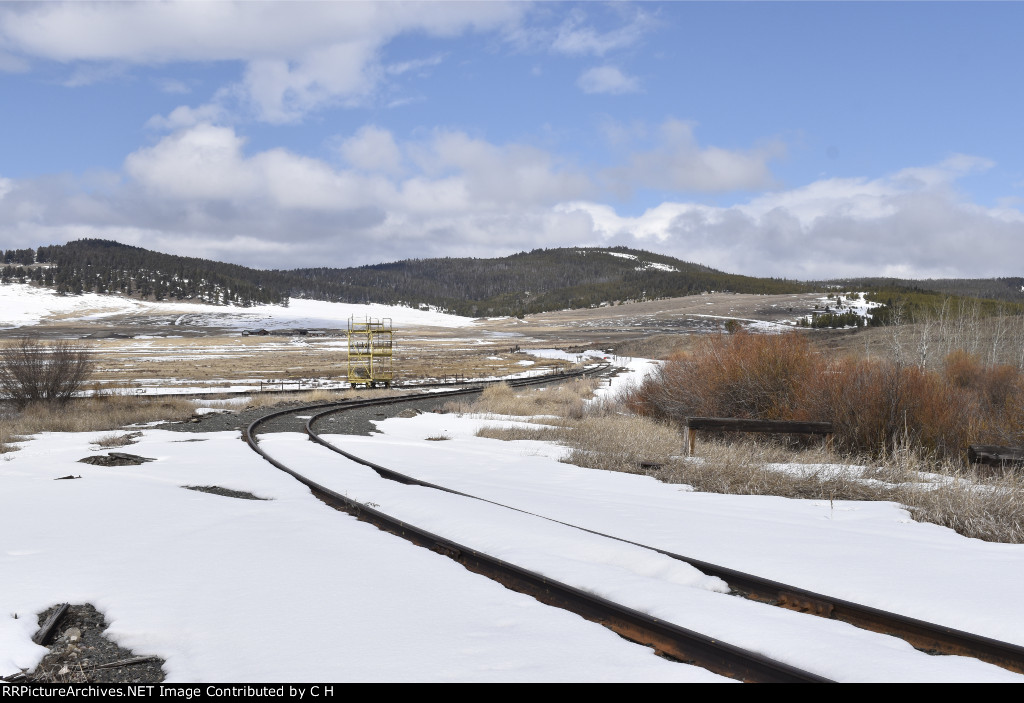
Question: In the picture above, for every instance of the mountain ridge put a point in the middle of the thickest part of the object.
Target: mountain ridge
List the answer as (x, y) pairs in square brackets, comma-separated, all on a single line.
[(527, 282)]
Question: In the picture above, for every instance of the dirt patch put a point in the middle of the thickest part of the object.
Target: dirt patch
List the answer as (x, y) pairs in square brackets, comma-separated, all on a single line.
[(80, 653), (116, 459), (226, 492)]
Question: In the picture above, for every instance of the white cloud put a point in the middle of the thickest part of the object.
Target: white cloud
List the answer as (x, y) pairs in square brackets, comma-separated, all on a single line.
[(413, 66), (184, 116), (578, 39), (373, 149), (204, 162), (496, 174), (300, 56), (910, 223), (608, 80), (199, 191), (173, 86), (457, 172), (679, 163)]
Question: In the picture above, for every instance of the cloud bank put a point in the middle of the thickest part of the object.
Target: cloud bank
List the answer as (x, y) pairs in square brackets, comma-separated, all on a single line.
[(199, 192)]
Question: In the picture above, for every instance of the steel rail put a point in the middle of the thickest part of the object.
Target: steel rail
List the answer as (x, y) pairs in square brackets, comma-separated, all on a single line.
[(922, 635), (664, 637)]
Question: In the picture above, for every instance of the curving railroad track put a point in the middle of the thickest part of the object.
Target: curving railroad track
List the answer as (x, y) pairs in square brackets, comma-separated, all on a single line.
[(667, 639)]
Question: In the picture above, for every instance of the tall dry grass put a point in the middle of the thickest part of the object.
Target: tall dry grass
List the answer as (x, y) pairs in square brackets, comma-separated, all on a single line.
[(566, 399), (94, 414), (982, 507), (320, 395)]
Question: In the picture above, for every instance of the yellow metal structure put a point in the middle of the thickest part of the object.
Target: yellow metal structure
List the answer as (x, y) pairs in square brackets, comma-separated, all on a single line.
[(370, 346)]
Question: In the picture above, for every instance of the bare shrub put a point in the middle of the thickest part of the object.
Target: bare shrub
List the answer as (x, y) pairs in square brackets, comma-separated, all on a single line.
[(738, 375), (32, 371), (873, 403)]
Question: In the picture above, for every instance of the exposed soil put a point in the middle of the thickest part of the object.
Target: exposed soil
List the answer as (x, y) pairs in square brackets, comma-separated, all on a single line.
[(81, 653), (116, 459), (226, 492), (357, 421)]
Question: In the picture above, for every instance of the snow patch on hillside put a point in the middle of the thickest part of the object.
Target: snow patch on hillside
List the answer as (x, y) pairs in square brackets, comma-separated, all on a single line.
[(23, 305)]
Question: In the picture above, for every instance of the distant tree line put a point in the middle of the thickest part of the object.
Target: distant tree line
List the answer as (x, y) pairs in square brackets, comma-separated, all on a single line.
[(1008, 289), (100, 266)]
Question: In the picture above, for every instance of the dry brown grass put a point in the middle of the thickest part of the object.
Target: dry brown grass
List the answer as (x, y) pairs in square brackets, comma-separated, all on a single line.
[(218, 361), (744, 467), (115, 439), (986, 508), (564, 400), (544, 433), (266, 400), (94, 414)]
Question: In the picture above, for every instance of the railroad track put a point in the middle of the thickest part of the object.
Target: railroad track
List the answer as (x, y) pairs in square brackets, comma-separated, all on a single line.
[(666, 638)]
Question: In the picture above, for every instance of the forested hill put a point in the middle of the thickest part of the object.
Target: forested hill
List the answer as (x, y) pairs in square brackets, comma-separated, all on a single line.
[(101, 266), (1009, 289), (529, 282), (536, 281)]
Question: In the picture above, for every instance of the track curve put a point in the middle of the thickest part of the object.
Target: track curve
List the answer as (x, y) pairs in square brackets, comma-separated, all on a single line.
[(664, 637)]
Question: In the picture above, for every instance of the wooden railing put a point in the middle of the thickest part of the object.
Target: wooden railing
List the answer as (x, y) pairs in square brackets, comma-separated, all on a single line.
[(732, 424), (1001, 458)]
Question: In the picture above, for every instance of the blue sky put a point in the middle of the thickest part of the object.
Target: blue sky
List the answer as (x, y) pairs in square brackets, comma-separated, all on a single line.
[(787, 139)]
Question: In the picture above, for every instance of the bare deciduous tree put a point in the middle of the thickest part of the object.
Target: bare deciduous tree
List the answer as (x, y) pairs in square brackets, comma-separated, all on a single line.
[(35, 371)]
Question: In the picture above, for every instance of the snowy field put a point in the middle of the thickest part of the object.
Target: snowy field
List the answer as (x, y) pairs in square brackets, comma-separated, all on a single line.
[(22, 305), (287, 589)]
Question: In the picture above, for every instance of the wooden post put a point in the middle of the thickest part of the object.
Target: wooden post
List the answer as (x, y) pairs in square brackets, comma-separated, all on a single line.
[(691, 438)]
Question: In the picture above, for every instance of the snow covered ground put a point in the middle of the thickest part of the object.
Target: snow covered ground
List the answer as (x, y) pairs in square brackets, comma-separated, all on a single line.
[(22, 305), (288, 589)]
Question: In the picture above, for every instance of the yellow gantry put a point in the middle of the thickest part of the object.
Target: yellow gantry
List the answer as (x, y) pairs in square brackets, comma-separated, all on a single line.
[(370, 347)]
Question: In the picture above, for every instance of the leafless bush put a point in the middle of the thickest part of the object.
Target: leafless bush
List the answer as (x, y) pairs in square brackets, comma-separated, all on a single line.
[(32, 371), (872, 402)]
